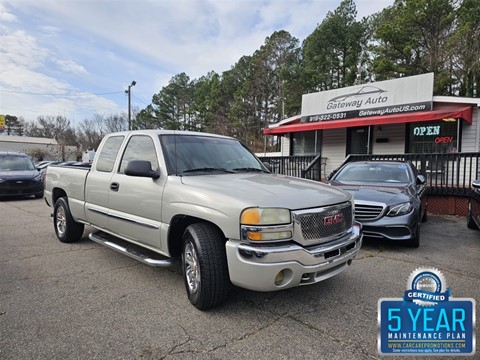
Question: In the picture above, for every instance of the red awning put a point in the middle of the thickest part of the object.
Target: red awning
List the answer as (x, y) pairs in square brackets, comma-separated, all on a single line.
[(444, 113)]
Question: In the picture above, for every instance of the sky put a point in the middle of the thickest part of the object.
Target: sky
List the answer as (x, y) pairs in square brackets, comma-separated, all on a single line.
[(76, 58)]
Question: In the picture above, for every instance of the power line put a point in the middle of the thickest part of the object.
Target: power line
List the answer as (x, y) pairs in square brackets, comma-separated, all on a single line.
[(60, 95), (143, 102)]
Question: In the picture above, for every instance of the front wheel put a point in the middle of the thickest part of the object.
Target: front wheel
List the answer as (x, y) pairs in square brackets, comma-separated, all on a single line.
[(415, 242), (425, 216), (204, 266), (471, 224), (67, 229)]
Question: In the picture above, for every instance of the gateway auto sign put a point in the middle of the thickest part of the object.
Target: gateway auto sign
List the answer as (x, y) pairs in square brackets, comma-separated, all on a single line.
[(402, 95)]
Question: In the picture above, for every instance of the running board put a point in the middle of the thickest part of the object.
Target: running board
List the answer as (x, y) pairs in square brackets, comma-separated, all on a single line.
[(136, 252)]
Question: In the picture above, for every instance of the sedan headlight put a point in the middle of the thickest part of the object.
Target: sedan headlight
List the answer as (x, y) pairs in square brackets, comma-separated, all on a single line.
[(39, 177), (270, 224), (1, 180), (400, 209)]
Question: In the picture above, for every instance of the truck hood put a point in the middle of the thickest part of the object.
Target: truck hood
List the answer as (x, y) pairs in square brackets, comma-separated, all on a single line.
[(270, 190)]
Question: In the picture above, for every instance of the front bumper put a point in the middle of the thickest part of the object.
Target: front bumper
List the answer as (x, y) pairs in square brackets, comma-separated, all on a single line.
[(401, 228), (257, 266), (20, 188)]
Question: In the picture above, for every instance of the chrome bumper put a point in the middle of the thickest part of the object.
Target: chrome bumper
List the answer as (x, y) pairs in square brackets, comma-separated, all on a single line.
[(257, 266)]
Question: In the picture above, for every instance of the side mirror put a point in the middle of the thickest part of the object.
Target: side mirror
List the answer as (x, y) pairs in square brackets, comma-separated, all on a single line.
[(421, 180), (268, 166), (331, 174), (141, 168)]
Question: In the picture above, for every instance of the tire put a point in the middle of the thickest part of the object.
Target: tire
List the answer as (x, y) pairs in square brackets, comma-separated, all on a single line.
[(415, 242), (471, 224), (425, 216), (39, 195), (66, 229), (204, 265)]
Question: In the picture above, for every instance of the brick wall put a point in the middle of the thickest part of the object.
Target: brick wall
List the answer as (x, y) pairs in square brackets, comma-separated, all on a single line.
[(447, 205)]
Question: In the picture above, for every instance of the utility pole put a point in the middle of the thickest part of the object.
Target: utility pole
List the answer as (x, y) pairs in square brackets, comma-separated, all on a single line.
[(129, 104)]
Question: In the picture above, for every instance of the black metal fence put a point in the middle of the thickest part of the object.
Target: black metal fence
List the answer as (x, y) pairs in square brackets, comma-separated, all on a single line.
[(310, 167), (446, 174)]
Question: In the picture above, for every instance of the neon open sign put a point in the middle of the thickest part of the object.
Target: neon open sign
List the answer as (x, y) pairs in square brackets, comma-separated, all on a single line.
[(443, 139), (426, 130)]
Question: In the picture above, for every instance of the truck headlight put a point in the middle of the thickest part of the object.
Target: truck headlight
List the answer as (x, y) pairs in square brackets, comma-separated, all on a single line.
[(265, 216), (266, 224), (400, 209)]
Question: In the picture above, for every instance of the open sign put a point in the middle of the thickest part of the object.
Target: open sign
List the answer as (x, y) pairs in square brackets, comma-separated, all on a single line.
[(443, 139)]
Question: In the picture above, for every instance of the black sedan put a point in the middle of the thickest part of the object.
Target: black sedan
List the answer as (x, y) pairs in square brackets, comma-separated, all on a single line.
[(390, 198), (18, 176), (473, 217)]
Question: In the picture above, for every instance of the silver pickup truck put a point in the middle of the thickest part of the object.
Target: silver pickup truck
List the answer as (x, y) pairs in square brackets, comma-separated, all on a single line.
[(206, 201)]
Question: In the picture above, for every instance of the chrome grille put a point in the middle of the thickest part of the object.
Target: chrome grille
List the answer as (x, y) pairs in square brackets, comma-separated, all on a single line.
[(322, 224), (368, 211)]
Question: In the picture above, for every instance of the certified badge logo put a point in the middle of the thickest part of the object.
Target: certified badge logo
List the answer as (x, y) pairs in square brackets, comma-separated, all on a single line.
[(427, 320), (426, 287)]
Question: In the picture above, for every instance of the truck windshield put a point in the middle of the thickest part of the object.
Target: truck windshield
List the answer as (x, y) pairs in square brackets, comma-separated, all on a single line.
[(199, 155)]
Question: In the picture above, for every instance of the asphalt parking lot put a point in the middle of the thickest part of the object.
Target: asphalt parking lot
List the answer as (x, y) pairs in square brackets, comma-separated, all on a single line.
[(84, 301)]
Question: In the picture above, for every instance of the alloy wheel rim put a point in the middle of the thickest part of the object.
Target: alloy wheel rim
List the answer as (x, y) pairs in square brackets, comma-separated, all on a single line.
[(61, 222), (192, 268)]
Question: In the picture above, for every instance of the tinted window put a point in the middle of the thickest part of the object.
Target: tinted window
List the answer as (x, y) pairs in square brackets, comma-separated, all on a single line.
[(361, 172), (183, 153), (15, 163), (109, 152), (139, 147)]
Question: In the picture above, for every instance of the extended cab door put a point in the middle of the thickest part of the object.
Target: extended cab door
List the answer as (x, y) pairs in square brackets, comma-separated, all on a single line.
[(98, 182), (135, 202)]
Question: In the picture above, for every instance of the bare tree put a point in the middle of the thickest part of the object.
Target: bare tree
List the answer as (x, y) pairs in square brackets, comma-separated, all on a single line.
[(50, 127), (91, 133)]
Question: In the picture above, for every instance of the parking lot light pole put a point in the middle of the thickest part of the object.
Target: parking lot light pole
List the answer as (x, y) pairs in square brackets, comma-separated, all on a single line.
[(129, 104)]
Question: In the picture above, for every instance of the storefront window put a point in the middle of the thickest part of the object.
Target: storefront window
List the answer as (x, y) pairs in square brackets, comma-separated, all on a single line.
[(433, 137), (306, 143)]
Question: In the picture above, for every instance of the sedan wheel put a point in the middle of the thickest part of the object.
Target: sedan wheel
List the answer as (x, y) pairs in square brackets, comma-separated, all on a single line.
[(471, 224), (415, 242)]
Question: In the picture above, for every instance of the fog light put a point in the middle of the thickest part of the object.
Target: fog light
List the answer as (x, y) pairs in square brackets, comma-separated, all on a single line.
[(279, 278)]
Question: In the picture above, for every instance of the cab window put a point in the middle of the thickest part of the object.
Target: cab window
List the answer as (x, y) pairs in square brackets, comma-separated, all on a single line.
[(108, 154), (139, 147)]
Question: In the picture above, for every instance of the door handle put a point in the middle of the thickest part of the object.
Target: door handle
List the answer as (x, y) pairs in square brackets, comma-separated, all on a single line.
[(114, 186)]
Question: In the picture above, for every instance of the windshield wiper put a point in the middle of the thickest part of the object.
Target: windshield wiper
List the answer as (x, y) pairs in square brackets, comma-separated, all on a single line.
[(208, 169), (248, 169)]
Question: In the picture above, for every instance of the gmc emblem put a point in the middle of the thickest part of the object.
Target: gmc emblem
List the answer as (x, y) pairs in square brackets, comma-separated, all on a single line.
[(332, 219)]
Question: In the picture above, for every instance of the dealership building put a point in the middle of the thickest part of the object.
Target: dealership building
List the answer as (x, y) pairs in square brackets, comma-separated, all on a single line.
[(399, 116)]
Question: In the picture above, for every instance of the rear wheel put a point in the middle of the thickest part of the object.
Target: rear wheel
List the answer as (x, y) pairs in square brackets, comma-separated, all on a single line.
[(67, 229), (204, 266)]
